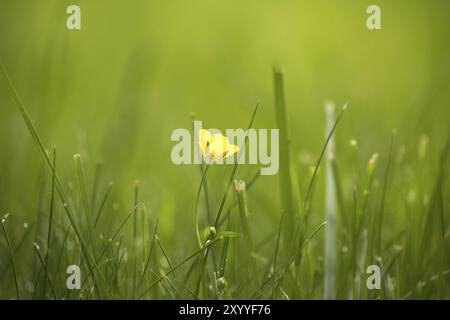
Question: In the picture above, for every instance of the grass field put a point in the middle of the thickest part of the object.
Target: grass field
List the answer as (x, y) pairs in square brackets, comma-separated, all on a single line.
[(86, 176)]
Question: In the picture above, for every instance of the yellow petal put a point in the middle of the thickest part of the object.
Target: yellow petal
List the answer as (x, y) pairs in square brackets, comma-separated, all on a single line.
[(231, 149), (204, 138), (218, 146)]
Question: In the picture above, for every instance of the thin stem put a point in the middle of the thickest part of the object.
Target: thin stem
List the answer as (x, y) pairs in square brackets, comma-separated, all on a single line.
[(13, 263), (197, 228), (49, 235)]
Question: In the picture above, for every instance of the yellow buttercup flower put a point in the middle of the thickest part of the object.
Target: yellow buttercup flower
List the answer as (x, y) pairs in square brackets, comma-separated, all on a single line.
[(215, 146)]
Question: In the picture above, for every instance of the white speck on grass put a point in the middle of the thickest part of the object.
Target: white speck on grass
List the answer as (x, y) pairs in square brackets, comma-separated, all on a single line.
[(305, 158), (123, 252), (434, 277), (421, 284), (5, 217), (422, 147), (411, 196)]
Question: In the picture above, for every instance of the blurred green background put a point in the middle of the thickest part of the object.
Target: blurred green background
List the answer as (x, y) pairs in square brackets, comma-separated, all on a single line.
[(116, 89)]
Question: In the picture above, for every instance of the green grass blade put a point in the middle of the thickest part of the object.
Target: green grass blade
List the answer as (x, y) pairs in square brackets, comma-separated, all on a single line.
[(102, 204), (16, 250), (152, 246), (330, 258), (39, 144), (50, 222), (386, 180), (205, 182), (46, 276), (110, 241), (287, 200), (135, 232), (197, 198), (233, 172), (178, 265), (275, 256), (241, 196), (97, 173), (84, 198), (11, 253)]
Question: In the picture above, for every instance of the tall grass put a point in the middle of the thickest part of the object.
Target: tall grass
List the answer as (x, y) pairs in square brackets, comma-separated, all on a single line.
[(286, 194), (383, 211), (330, 211)]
